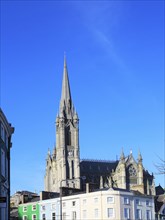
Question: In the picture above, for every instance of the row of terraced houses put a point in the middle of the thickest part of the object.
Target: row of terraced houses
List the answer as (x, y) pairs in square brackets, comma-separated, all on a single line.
[(102, 204)]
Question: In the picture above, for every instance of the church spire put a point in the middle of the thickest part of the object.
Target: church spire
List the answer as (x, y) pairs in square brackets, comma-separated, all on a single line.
[(66, 105)]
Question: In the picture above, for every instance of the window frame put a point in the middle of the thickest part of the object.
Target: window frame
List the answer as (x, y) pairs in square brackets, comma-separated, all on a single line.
[(43, 208), (53, 206), (2, 133), (126, 213), (24, 208), (53, 217), (43, 216), (25, 217), (109, 201), (74, 215), (84, 213), (110, 214), (138, 202), (34, 217), (138, 214), (64, 215), (148, 214), (3, 162), (34, 207), (96, 212), (126, 201), (84, 201), (96, 200), (148, 202)]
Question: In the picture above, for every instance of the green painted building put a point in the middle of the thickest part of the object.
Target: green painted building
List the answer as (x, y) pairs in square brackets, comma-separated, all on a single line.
[(29, 211)]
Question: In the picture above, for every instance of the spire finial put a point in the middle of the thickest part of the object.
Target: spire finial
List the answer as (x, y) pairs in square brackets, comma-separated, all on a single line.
[(139, 156), (66, 101), (64, 59), (122, 154)]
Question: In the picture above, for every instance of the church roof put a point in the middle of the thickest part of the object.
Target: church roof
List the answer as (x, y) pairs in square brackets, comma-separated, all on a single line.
[(97, 167)]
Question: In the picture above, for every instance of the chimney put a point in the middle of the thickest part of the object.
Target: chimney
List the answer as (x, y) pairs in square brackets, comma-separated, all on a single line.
[(87, 187)]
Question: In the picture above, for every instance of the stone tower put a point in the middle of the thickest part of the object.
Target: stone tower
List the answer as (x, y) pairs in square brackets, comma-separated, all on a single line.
[(63, 166)]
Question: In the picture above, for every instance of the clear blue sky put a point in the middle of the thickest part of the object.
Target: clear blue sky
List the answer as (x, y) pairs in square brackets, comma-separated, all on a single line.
[(115, 57)]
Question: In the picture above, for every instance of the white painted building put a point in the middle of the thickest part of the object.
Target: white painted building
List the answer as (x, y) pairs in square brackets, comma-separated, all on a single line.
[(103, 204)]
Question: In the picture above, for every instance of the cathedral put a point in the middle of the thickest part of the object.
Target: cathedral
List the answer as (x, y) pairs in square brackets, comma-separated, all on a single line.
[(65, 169)]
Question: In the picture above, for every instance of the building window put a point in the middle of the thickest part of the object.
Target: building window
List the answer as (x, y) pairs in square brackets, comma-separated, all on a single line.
[(6, 141), (110, 199), (84, 214), (34, 208), (43, 216), (132, 171), (95, 200), (34, 217), (25, 217), (72, 169), (53, 216), (3, 163), (43, 207), (126, 213), (53, 206), (25, 209), (138, 214), (148, 215), (73, 215), (96, 213), (110, 212), (148, 203), (73, 203), (63, 204), (126, 200), (138, 202), (64, 215), (84, 201), (2, 133)]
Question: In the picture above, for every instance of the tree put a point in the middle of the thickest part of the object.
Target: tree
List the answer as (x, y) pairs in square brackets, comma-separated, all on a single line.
[(160, 166)]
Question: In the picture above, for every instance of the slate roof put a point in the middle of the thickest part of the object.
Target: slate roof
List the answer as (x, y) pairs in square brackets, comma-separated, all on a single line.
[(35, 199), (24, 192), (159, 190), (159, 201), (97, 167)]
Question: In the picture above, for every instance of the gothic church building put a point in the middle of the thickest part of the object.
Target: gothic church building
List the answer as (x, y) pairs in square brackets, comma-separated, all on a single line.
[(65, 169)]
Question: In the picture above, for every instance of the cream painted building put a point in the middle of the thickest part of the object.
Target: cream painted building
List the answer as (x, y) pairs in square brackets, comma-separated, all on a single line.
[(109, 203)]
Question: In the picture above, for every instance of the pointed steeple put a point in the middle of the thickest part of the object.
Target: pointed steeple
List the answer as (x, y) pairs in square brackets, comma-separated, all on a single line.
[(66, 100), (140, 157), (122, 157)]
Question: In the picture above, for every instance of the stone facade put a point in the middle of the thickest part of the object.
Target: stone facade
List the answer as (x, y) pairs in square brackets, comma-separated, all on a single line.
[(64, 168), (64, 163), (6, 131)]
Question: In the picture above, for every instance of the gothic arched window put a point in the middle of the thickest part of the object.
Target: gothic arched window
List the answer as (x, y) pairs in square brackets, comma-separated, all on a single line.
[(132, 171)]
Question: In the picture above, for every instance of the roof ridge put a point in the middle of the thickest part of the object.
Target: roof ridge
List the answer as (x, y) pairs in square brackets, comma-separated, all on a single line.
[(99, 160)]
